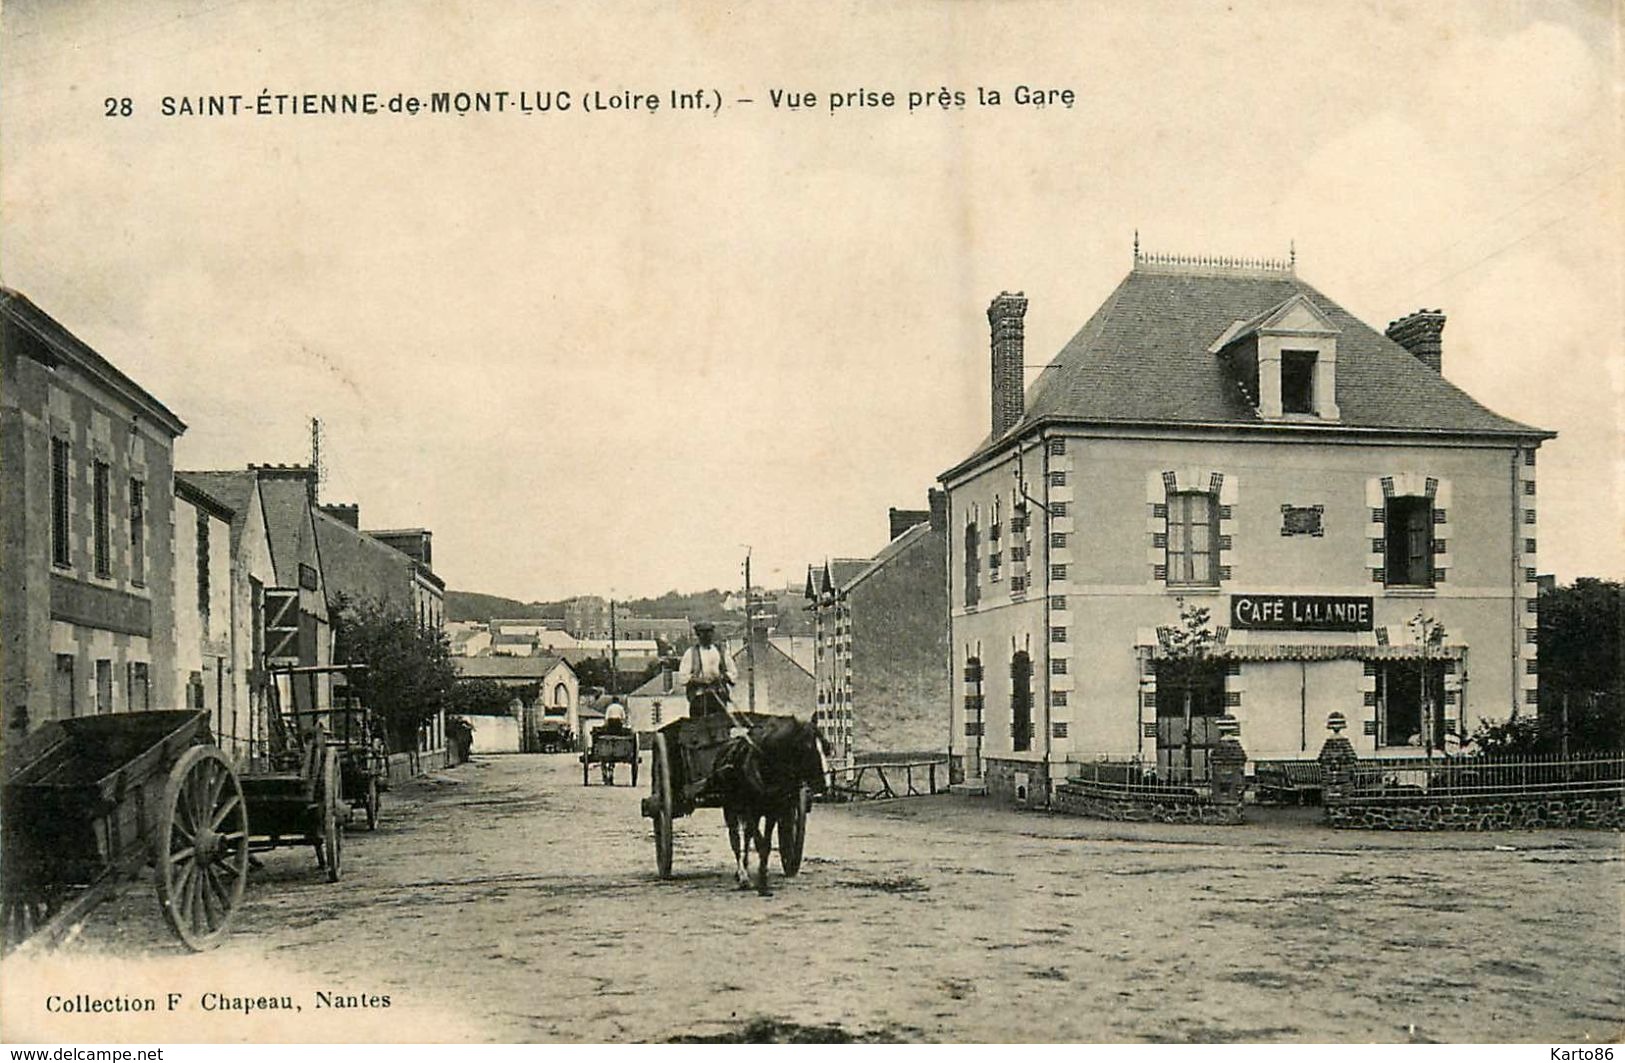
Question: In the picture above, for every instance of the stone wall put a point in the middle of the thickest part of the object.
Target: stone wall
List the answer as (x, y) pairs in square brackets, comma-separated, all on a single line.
[(1589, 811), (1000, 777), (1082, 799)]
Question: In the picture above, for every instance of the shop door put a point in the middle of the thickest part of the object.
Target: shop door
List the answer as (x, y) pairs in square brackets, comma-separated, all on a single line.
[(1188, 727)]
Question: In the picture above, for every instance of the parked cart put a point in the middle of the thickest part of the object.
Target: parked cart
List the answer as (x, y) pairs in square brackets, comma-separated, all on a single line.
[(90, 802), (352, 730), (682, 758)]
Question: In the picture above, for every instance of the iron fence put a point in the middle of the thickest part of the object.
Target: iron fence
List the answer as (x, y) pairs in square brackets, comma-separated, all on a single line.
[(868, 782), (1138, 779), (1408, 778)]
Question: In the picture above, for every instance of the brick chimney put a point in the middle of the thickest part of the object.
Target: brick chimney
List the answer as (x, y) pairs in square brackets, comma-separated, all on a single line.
[(904, 519), (1004, 319), (1421, 334), (939, 509), (346, 512)]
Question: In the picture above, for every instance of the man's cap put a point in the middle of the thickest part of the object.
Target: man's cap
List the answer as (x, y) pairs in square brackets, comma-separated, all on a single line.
[(704, 625)]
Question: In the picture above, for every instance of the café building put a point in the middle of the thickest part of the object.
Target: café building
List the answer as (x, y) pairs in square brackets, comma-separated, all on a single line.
[(1222, 437)]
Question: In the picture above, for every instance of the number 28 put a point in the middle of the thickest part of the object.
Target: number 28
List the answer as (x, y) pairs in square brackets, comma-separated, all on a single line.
[(117, 107)]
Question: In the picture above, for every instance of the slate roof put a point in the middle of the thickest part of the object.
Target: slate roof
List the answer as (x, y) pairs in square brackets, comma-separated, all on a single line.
[(1144, 357), (233, 488), (285, 503), (526, 668), (891, 550)]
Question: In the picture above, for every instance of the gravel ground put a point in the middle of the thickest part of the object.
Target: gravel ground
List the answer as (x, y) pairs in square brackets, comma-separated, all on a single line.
[(504, 901)]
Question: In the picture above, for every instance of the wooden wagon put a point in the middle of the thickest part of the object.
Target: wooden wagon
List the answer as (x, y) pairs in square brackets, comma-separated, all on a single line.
[(90, 802), (681, 762), (607, 749), (351, 729)]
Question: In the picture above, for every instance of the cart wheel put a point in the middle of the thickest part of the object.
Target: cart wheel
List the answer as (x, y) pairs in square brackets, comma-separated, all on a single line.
[(372, 802), (332, 825), (793, 833), (660, 804), (201, 847)]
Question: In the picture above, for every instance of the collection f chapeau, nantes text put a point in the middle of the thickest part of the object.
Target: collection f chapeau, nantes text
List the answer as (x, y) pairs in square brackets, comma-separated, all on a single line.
[(91, 1004), (594, 101)]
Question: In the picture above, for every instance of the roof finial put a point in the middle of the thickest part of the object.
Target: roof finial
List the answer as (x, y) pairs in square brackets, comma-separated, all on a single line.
[(1292, 254), (1136, 245)]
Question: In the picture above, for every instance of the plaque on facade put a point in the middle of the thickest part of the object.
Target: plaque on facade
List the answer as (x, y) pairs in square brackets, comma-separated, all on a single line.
[(1299, 612), (1301, 520)]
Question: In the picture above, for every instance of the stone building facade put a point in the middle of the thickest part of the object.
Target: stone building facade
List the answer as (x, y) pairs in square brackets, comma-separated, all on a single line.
[(1221, 435), (87, 514), (205, 629), (881, 636)]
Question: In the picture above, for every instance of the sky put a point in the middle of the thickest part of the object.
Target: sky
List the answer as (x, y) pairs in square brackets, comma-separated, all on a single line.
[(610, 352)]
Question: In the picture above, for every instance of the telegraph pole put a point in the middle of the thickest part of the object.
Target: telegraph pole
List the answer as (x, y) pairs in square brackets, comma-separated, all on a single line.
[(614, 671), (750, 637)]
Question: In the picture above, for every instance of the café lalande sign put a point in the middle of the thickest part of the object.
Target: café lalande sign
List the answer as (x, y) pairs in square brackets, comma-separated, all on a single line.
[(1299, 612)]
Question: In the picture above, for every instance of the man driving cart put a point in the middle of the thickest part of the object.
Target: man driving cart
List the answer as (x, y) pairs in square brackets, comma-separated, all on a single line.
[(706, 673)]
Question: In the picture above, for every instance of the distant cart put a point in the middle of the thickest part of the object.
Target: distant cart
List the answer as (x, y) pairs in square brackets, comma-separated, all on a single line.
[(609, 748), (90, 802)]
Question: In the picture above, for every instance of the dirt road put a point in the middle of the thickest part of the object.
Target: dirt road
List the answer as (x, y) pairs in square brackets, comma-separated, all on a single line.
[(504, 901)]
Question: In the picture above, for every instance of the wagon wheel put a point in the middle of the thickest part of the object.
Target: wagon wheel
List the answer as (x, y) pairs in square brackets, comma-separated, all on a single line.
[(660, 804), (372, 802), (793, 833), (201, 847), (332, 826)]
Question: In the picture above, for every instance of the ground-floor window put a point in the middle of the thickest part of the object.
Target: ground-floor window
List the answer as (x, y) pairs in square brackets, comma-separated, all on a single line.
[(1021, 702), (1190, 700), (1411, 703)]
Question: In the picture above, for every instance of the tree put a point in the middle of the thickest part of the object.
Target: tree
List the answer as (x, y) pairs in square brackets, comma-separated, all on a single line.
[(486, 697), (1580, 663), (1187, 661), (409, 673)]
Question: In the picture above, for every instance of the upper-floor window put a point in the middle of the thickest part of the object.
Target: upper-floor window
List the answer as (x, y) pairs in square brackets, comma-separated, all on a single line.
[(1193, 538), (59, 503), (973, 561), (203, 565), (1408, 537), (101, 518), (1298, 381), (138, 532)]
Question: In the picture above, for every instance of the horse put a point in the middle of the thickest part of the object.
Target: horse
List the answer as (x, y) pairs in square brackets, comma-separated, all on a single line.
[(759, 778)]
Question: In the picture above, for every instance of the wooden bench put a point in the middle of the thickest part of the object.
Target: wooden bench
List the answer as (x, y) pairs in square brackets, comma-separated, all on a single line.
[(1287, 781)]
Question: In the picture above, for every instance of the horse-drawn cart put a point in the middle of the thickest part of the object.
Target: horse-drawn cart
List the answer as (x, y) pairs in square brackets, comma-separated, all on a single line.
[(92, 800), (352, 730), (609, 748), (682, 766)]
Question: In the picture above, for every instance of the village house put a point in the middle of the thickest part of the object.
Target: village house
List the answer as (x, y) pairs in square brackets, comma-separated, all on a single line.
[(251, 572), (1221, 433), (783, 671), (880, 628), (87, 513), (546, 689), (205, 633)]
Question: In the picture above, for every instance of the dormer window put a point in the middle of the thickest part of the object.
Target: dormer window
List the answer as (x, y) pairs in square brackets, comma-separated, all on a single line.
[(1285, 361), (1298, 382)]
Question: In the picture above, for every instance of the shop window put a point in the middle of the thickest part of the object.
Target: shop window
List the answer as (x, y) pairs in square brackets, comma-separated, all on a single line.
[(1408, 542), (1192, 547), (1411, 702)]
